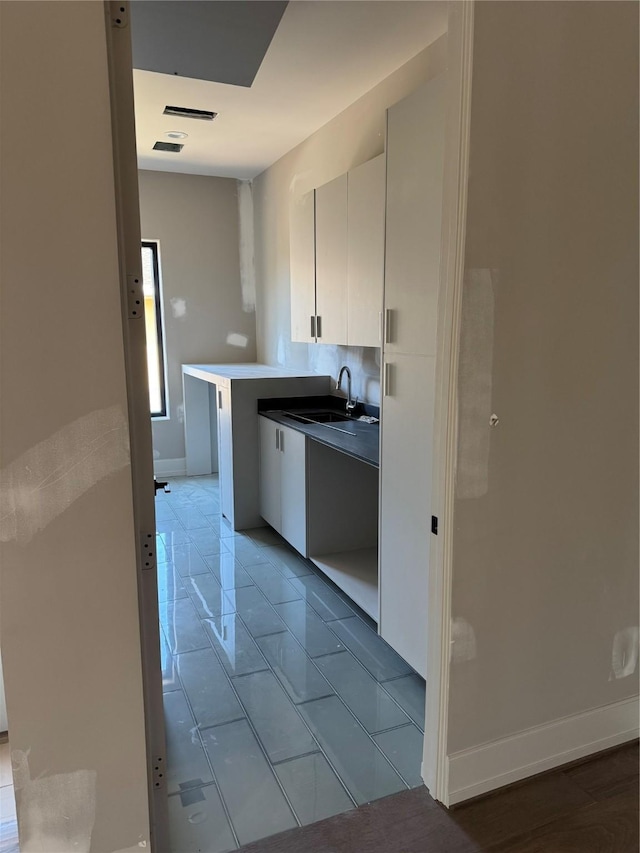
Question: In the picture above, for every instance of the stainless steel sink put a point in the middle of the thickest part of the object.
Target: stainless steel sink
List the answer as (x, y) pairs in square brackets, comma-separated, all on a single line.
[(324, 418), (329, 417)]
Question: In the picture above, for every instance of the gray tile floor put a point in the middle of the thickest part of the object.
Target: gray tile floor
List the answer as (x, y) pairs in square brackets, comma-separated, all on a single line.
[(282, 704)]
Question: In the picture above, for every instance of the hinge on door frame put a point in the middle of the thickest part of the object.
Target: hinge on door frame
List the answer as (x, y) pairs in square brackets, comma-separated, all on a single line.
[(158, 771), (119, 14), (148, 551), (135, 297)]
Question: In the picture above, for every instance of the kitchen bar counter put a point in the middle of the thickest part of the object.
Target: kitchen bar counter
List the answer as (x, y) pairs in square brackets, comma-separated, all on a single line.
[(221, 426)]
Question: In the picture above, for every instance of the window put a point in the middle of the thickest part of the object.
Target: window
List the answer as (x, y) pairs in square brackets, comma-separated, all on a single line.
[(153, 326)]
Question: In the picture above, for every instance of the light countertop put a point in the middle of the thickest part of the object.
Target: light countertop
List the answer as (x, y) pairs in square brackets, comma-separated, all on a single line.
[(210, 372)]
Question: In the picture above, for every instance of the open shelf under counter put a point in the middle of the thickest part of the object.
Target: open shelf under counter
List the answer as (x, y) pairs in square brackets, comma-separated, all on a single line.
[(356, 573)]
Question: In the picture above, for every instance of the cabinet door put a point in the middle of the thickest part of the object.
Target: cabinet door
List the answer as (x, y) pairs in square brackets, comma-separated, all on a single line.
[(415, 154), (302, 253), (365, 252), (270, 464), (293, 488), (225, 452), (405, 504), (331, 261)]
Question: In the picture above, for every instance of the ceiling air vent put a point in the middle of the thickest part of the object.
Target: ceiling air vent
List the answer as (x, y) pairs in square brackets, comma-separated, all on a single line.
[(176, 147), (187, 112)]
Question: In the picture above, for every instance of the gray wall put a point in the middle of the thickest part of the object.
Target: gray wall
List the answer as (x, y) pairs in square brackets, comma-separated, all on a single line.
[(69, 608), (353, 137), (546, 516), (209, 314)]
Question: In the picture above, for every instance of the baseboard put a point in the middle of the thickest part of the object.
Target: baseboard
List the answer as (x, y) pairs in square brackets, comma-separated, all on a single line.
[(484, 768), (170, 467)]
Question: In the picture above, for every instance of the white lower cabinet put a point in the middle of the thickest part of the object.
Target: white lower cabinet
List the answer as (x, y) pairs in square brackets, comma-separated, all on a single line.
[(270, 479), (324, 503), (405, 504), (283, 482)]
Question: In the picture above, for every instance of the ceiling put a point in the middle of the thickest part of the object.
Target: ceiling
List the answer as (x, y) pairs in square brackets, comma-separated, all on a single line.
[(224, 41), (323, 56)]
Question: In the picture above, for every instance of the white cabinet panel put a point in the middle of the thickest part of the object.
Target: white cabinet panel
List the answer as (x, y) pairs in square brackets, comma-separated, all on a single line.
[(270, 508), (331, 261), (415, 153), (283, 482), (365, 252), (225, 452), (303, 272), (405, 504), (293, 488)]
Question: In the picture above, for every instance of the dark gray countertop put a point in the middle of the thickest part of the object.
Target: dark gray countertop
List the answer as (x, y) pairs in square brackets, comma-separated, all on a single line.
[(364, 445)]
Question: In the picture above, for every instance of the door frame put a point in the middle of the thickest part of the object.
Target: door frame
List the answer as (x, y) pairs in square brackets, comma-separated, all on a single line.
[(435, 766), (127, 204)]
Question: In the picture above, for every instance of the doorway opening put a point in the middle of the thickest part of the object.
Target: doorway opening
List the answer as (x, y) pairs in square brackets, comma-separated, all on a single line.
[(270, 671)]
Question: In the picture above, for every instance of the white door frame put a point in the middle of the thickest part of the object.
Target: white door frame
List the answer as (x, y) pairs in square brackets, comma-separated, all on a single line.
[(435, 765), (118, 37)]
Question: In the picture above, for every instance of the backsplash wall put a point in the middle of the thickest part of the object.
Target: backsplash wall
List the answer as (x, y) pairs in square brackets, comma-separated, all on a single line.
[(351, 138), (364, 363)]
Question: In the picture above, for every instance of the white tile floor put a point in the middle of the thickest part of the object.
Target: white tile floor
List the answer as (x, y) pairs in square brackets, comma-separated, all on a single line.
[(8, 825), (282, 704)]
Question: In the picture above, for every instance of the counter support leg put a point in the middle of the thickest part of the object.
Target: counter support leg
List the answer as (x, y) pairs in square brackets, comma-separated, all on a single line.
[(197, 425)]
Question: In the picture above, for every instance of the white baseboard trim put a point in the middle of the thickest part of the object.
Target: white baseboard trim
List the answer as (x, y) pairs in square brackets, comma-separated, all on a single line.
[(170, 467), (484, 768)]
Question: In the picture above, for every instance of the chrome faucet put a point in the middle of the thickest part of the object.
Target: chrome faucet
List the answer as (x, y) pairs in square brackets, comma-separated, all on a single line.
[(351, 404)]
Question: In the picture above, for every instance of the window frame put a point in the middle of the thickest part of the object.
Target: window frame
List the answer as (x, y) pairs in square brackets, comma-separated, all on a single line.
[(163, 414)]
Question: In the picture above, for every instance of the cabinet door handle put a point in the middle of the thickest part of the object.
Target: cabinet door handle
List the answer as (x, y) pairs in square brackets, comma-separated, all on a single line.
[(313, 326), (281, 441), (319, 326), (388, 334), (219, 399), (277, 439), (386, 380)]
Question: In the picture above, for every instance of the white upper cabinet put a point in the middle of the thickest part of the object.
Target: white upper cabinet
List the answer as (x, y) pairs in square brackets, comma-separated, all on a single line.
[(337, 259), (415, 156), (365, 252), (331, 262), (303, 270)]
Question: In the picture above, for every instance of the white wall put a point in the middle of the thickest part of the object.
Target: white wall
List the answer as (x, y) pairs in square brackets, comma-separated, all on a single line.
[(4, 723), (209, 307), (69, 612), (353, 137), (545, 582)]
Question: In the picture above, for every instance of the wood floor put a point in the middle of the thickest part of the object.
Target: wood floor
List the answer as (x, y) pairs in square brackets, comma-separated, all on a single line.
[(589, 807)]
